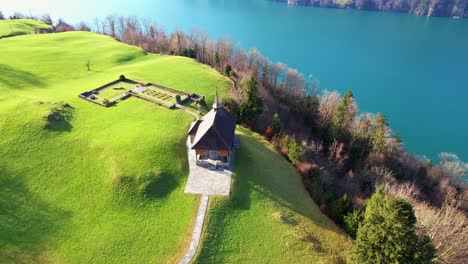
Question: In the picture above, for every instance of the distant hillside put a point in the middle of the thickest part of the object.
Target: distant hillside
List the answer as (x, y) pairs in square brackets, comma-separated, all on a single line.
[(439, 8), (16, 27)]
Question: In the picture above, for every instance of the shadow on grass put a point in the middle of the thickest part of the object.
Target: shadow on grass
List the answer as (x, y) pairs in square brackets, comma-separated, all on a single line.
[(161, 185), (26, 221), (15, 78), (155, 185), (267, 175)]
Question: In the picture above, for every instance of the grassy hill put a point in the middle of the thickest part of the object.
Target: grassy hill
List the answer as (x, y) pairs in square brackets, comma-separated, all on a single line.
[(17, 27), (269, 217), (105, 185)]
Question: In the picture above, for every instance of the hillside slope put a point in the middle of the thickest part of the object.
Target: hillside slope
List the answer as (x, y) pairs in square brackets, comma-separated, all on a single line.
[(106, 185), (16, 27), (440, 8), (269, 217)]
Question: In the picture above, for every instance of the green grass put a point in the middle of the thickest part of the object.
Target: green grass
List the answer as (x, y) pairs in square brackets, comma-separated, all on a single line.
[(121, 87), (105, 185), (88, 189), (269, 217), (17, 27)]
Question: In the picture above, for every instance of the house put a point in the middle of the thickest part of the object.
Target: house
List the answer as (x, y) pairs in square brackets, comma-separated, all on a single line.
[(212, 137)]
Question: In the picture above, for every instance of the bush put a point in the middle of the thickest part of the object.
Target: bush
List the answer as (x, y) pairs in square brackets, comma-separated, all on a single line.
[(227, 69), (232, 106), (105, 101), (122, 77), (232, 73), (295, 152), (341, 208), (352, 221), (177, 98)]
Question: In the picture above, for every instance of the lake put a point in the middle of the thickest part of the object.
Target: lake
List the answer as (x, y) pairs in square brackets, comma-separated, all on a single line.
[(412, 69)]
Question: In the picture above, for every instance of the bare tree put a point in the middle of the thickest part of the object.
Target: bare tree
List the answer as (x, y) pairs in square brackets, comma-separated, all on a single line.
[(328, 103), (111, 24)]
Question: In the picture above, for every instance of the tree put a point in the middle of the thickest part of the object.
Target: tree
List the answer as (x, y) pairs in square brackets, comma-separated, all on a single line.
[(1, 16), (47, 19), (232, 106), (111, 22), (387, 234), (253, 105), (352, 221), (276, 125), (83, 27), (227, 69), (341, 208), (379, 142), (328, 102), (344, 116), (295, 152)]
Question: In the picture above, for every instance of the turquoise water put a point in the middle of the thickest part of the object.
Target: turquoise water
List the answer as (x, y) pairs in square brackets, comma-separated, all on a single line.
[(413, 69)]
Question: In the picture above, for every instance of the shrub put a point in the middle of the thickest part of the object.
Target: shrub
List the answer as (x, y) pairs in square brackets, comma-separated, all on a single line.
[(232, 73), (269, 133), (295, 152), (105, 101), (276, 124), (177, 98), (227, 69), (232, 106), (122, 77), (341, 208), (352, 221)]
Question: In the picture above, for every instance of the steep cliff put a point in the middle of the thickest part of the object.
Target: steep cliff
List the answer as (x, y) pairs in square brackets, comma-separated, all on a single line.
[(441, 8)]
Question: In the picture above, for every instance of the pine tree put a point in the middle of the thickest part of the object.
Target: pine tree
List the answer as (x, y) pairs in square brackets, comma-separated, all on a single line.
[(253, 105), (343, 116), (387, 234), (276, 125), (379, 142)]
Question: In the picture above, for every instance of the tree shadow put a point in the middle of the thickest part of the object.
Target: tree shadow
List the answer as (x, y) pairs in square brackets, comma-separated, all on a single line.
[(15, 78), (61, 126), (26, 221), (261, 173), (161, 185)]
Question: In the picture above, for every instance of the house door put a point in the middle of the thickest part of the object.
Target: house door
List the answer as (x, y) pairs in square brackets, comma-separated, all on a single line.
[(214, 155)]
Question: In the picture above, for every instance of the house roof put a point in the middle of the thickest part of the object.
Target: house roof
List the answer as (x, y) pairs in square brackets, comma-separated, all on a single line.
[(215, 131)]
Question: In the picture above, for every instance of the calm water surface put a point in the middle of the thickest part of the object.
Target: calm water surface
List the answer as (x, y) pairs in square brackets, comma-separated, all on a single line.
[(413, 69)]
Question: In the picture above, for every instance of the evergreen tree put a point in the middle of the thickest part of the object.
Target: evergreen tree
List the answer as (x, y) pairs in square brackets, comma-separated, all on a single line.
[(387, 234), (352, 221), (276, 125), (379, 140), (228, 69), (343, 116), (217, 58), (253, 105)]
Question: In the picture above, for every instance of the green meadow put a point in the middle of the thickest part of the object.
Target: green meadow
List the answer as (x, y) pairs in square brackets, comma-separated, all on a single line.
[(106, 184), (269, 217), (18, 27), (80, 183)]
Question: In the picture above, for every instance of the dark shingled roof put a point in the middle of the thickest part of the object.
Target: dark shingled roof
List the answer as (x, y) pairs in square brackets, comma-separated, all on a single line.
[(215, 131)]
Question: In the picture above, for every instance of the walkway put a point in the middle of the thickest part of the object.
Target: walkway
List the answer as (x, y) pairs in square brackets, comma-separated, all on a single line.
[(196, 231), (205, 182)]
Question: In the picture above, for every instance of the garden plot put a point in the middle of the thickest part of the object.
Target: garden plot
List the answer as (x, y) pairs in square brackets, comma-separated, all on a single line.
[(115, 91)]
